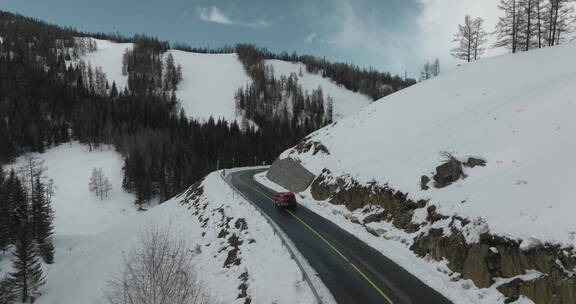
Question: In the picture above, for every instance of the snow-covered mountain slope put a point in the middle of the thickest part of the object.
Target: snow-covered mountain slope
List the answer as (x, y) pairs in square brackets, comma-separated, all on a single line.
[(209, 84), (210, 81), (109, 57), (345, 103), (514, 111), (207, 218)]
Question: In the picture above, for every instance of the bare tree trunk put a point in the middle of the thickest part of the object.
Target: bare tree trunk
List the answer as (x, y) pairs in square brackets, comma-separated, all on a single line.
[(514, 26), (539, 24), (529, 25)]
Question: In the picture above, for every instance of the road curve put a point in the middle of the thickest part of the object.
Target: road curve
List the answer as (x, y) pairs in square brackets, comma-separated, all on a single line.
[(353, 271)]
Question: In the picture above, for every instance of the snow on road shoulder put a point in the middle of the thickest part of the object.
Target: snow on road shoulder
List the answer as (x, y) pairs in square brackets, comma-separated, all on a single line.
[(235, 251), (209, 84), (394, 244), (345, 103)]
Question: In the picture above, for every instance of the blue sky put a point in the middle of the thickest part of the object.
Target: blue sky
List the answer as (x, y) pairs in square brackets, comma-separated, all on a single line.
[(390, 35)]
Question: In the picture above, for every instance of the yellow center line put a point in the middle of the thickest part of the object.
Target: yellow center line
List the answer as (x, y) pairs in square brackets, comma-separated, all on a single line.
[(327, 243)]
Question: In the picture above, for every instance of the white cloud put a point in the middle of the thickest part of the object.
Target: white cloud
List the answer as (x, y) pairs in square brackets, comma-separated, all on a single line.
[(214, 14), (359, 33), (439, 22), (310, 38)]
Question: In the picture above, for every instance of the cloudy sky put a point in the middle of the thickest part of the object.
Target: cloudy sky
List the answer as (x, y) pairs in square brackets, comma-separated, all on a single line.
[(390, 35)]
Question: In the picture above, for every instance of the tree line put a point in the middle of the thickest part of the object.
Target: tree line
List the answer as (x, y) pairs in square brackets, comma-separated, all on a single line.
[(26, 228), (525, 25), (366, 81), (280, 100)]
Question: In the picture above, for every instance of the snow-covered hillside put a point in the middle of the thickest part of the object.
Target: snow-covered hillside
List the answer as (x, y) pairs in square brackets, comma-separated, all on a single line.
[(109, 57), (80, 273), (346, 102), (209, 84), (515, 111), (210, 81)]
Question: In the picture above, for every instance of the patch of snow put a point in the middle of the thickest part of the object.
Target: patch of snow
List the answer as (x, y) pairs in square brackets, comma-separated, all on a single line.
[(514, 111), (109, 57), (345, 103), (529, 243), (209, 84)]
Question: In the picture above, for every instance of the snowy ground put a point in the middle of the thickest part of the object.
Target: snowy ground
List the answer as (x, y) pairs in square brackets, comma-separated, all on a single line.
[(515, 111), (91, 236), (209, 84), (346, 102), (394, 244), (109, 57), (79, 215), (79, 212), (80, 275)]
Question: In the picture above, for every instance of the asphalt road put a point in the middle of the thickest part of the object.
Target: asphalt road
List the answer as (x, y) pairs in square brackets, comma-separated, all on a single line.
[(353, 271)]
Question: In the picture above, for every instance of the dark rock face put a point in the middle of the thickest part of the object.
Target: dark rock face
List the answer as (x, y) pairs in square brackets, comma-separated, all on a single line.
[(474, 162), (447, 173), (424, 180), (491, 257), (290, 174), (307, 144), (321, 190)]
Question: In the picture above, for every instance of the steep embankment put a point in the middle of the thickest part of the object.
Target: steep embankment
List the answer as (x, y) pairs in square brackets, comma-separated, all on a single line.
[(492, 221), (235, 252)]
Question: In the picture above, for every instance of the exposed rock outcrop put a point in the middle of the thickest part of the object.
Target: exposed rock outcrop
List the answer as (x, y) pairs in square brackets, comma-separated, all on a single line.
[(484, 261), (290, 174), (447, 173)]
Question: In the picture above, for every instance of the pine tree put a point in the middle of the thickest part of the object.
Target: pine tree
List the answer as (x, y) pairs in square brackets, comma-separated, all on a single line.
[(435, 68), (41, 222), (27, 276), (4, 214)]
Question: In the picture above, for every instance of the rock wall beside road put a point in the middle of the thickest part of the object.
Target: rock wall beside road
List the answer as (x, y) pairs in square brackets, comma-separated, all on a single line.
[(290, 174)]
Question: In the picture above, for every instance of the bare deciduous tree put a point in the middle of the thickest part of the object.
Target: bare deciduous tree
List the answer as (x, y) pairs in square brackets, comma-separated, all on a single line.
[(160, 271), (99, 183), (471, 38)]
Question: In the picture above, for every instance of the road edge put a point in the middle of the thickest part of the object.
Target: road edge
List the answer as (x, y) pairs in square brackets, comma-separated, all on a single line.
[(320, 292)]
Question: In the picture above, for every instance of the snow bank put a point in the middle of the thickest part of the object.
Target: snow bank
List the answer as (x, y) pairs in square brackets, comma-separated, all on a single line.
[(345, 103), (80, 274), (209, 84), (515, 111)]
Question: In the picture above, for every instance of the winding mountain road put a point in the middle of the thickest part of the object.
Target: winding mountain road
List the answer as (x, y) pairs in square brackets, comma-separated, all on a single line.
[(353, 271)]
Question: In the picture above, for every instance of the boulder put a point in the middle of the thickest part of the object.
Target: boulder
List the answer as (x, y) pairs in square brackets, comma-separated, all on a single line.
[(473, 162), (447, 173), (290, 174)]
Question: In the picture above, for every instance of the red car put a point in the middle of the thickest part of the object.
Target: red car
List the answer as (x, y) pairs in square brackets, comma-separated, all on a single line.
[(285, 200)]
